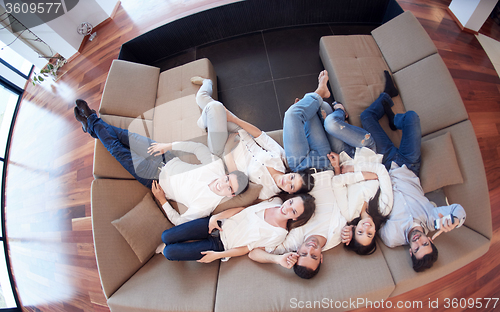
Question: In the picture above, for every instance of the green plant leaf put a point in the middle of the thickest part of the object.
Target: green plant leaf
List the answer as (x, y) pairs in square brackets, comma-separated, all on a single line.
[(40, 79)]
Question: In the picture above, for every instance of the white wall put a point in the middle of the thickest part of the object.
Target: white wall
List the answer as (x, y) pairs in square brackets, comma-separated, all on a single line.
[(60, 34), (65, 26), (472, 13)]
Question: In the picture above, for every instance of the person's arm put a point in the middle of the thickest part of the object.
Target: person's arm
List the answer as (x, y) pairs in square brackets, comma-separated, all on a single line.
[(248, 127), (173, 216), (335, 162), (200, 150), (286, 260), (211, 255), (386, 193), (458, 213)]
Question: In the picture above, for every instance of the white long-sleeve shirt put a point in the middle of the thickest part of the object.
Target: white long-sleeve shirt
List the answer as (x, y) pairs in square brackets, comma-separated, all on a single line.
[(327, 220), (249, 228), (188, 183), (253, 155), (412, 207), (351, 190)]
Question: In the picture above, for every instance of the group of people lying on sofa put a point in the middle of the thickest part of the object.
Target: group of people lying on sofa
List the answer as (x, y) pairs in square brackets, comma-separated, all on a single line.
[(286, 227)]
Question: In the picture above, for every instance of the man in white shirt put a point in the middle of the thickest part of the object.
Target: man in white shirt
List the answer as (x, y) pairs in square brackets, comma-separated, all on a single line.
[(412, 215), (199, 187)]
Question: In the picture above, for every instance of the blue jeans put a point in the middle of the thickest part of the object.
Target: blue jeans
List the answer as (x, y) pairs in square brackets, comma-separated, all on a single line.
[(409, 149), (196, 232), (345, 137), (304, 138), (129, 149)]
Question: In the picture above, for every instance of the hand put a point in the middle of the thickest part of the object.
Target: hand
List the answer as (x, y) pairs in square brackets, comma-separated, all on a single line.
[(208, 257), (334, 161), (212, 224), (288, 260), (346, 169), (159, 148), (346, 234), (446, 226), (158, 192)]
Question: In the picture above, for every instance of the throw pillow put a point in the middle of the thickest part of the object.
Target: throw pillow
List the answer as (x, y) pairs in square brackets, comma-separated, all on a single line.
[(142, 227), (439, 164)]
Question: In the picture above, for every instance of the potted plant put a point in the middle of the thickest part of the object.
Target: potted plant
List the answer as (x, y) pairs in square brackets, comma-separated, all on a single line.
[(49, 70)]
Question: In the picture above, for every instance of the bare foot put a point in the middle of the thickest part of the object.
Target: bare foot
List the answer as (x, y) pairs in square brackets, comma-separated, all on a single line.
[(322, 89)]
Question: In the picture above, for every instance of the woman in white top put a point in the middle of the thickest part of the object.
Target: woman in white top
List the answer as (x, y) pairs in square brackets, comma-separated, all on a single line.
[(257, 154), (239, 230)]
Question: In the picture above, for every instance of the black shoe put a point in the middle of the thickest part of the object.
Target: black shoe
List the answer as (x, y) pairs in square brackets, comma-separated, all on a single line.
[(390, 87), (84, 108), (81, 119)]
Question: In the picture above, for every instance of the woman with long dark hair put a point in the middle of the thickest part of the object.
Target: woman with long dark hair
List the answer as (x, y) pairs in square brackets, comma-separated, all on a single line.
[(239, 230)]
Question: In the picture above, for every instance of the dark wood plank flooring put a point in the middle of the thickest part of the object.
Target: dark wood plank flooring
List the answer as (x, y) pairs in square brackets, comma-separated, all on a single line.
[(50, 168)]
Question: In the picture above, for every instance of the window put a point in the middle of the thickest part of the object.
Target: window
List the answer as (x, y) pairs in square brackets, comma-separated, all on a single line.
[(15, 72)]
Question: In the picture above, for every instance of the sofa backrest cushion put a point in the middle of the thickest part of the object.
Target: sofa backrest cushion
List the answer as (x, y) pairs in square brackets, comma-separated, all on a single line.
[(427, 88), (176, 82), (403, 41), (130, 90), (176, 120)]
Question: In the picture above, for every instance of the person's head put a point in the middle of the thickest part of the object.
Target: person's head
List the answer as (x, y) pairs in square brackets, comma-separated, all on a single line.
[(364, 229), (423, 252), (230, 185), (310, 258), (297, 208), (296, 182)]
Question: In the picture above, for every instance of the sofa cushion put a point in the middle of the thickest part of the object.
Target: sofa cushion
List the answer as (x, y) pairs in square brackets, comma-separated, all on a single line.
[(130, 90), (110, 200), (427, 88), (439, 164), (403, 41), (142, 227), (105, 165), (356, 70), (456, 249), (176, 120), (472, 194), (176, 82), (279, 289), (162, 285)]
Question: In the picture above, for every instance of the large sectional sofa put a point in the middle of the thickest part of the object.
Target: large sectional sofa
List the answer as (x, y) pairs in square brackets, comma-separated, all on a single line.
[(162, 106)]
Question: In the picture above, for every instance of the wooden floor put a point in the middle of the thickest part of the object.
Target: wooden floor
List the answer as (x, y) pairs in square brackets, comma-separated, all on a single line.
[(50, 168)]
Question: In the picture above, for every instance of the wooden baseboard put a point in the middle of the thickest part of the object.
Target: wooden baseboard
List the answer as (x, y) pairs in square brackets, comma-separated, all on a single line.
[(462, 27), (115, 9)]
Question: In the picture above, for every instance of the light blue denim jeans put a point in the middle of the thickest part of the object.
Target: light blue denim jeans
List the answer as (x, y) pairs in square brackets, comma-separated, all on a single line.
[(343, 136), (305, 142)]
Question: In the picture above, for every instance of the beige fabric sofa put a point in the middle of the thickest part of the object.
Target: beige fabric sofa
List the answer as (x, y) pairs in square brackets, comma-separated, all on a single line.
[(162, 106)]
